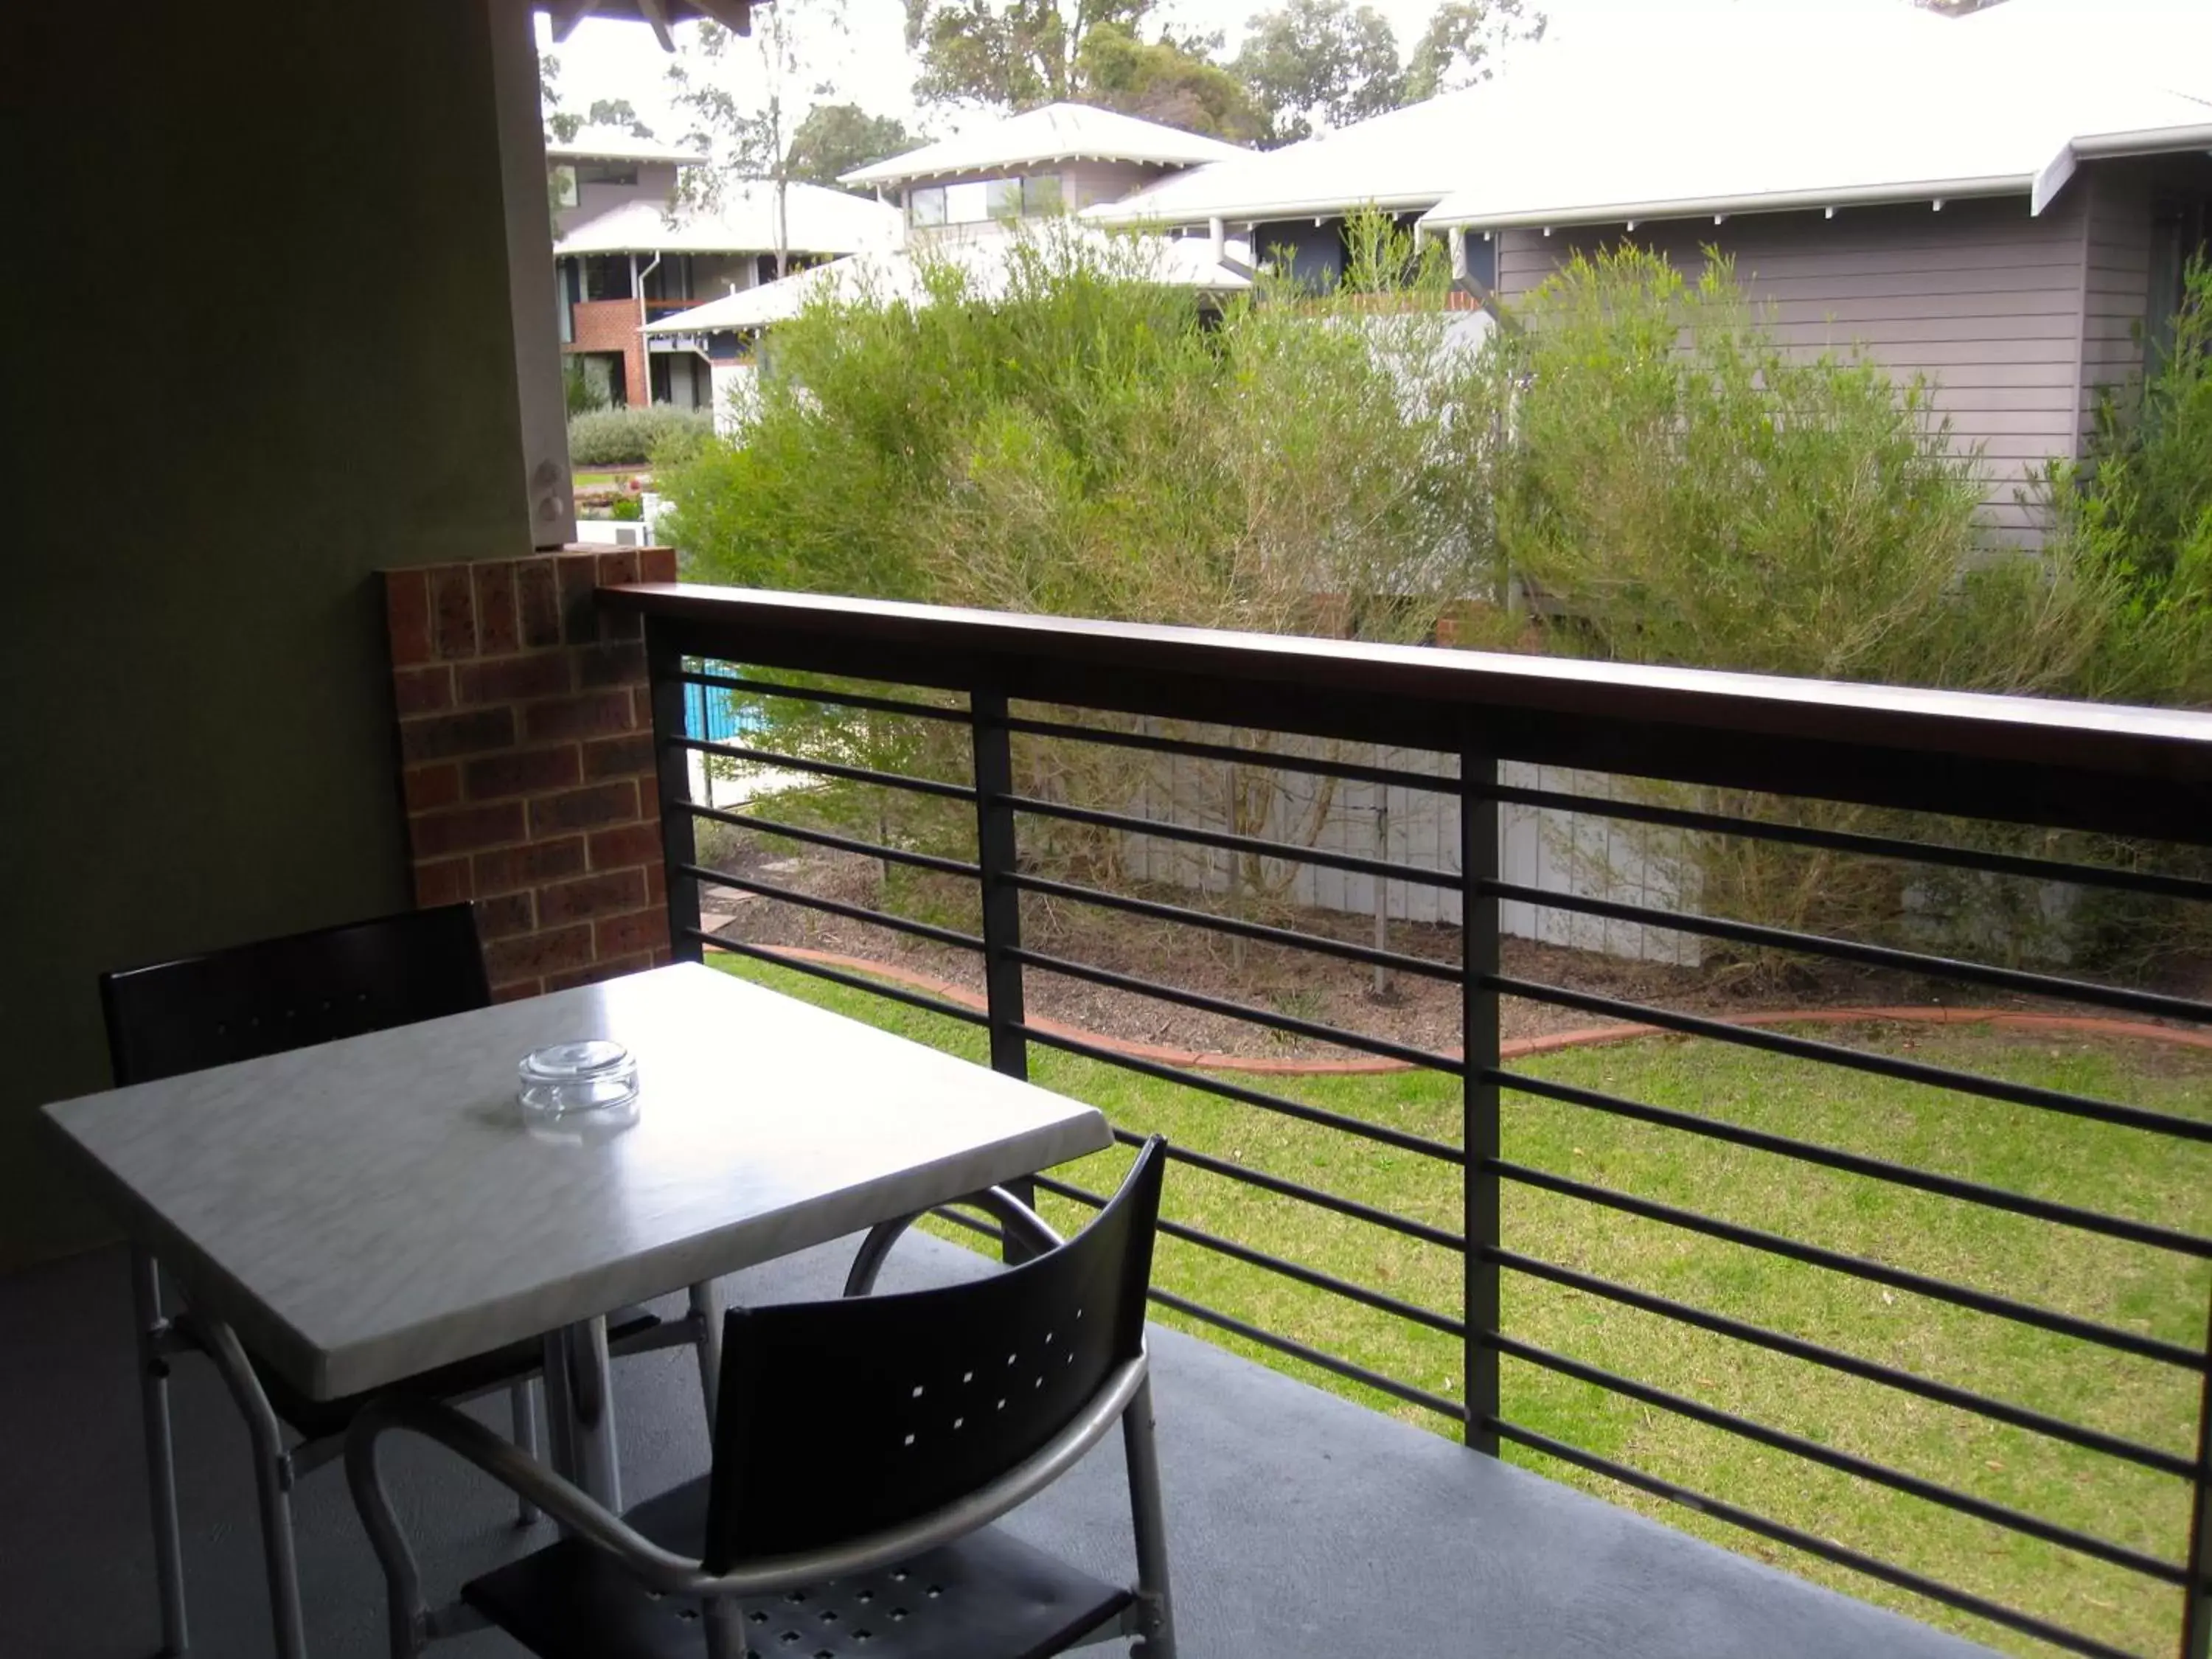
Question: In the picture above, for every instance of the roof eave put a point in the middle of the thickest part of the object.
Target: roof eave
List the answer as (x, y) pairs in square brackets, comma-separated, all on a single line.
[(1131, 216), (1788, 201)]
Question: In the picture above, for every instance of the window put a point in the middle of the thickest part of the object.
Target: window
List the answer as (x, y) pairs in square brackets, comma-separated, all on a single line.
[(1002, 198), (926, 207), (608, 173), (564, 187), (1042, 197)]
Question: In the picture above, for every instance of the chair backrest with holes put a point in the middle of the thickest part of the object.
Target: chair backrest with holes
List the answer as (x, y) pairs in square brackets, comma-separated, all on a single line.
[(841, 1419), (283, 994)]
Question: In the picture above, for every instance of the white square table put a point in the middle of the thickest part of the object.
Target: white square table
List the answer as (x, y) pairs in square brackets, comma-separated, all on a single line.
[(365, 1210)]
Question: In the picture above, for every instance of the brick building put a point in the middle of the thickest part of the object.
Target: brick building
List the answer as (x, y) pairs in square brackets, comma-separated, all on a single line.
[(628, 249)]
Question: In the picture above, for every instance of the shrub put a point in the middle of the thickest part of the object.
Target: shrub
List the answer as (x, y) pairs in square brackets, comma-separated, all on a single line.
[(632, 437)]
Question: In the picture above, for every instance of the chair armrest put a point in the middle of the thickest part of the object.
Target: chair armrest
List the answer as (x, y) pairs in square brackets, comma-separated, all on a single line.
[(1017, 1218), (516, 1470)]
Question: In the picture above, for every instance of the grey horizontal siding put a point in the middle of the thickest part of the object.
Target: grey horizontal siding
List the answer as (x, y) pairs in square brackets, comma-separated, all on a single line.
[(1983, 299)]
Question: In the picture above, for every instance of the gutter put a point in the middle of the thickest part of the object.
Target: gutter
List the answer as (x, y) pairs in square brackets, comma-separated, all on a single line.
[(1718, 207), (1243, 213)]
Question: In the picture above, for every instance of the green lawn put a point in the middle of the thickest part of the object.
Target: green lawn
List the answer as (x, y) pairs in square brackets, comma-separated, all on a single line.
[(605, 478), (2130, 1286)]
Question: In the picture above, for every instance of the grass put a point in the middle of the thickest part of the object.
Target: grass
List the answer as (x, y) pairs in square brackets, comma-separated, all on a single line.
[(607, 478), (2133, 1287)]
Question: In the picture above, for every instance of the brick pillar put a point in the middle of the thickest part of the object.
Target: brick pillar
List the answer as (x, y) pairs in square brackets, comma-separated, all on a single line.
[(525, 744), (612, 325)]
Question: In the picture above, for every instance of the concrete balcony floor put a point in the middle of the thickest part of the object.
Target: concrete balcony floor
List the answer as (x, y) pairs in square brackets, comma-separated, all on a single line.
[(1301, 1524)]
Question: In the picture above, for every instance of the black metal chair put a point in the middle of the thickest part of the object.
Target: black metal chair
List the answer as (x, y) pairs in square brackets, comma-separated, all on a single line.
[(862, 1449), (265, 998)]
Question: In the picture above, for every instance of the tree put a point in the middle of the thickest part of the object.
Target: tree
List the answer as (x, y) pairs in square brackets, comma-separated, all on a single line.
[(1463, 38), (1012, 56), (1320, 64), (746, 143), (836, 138), (617, 112), (1176, 81)]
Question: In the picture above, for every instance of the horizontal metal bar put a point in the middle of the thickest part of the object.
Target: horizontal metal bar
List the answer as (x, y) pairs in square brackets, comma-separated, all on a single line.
[(1345, 1207), (1781, 1533), (1243, 1011), (2105, 1336), (825, 838), (809, 693), (768, 889), (1844, 1462), (2020, 1417), (1412, 1312), (1319, 943), (1382, 1134), (1441, 1405), (1857, 1060), (823, 768), (1898, 1174), (1288, 852), (1876, 956), (838, 976), (1349, 771), (1862, 845)]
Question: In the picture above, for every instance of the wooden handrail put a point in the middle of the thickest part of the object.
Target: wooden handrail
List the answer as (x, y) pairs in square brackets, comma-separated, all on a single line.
[(2077, 765)]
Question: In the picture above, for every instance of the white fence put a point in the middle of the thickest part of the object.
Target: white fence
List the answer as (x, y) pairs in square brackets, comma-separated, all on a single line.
[(1578, 853)]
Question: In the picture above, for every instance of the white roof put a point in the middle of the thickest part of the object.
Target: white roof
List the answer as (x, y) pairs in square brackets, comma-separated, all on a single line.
[(613, 144), (816, 220), (897, 274), (1695, 110), (1054, 133)]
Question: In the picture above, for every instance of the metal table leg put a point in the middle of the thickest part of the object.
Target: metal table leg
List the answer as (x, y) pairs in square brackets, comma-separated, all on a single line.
[(579, 1409)]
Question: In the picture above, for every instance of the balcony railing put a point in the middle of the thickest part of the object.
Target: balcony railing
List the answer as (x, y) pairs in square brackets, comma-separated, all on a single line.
[(2047, 801)]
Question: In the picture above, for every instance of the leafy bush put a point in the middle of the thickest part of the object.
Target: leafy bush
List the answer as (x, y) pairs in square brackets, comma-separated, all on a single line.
[(626, 437)]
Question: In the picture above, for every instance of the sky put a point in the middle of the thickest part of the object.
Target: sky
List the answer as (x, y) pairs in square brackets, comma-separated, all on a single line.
[(857, 47)]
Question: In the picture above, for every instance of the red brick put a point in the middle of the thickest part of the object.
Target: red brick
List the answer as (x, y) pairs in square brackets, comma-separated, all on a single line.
[(656, 564), (615, 569), (534, 954), (597, 971), (514, 679), (445, 883), (594, 895), (642, 707), (609, 664), (615, 625), (542, 861), (584, 809), (537, 602), (503, 918), (498, 628), (633, 843), (426, 789), (656, 882), (441, 736), (522, 772), (645, 930), (423, 690), (662, 958), (516, 990), (628, 756), (452, 611), (578, 575), (407, 616), (465, 829), (595, 715)]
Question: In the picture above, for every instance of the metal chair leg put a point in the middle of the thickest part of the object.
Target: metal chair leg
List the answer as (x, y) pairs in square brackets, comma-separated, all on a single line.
[(160, 1450), (521, 1405), (272, 1480), (1148, 1520)]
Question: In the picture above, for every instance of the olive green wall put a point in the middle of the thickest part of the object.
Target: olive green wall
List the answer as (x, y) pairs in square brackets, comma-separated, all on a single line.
[(257, 346)]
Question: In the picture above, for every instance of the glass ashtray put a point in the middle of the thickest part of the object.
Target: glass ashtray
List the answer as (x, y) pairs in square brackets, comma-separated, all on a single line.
[(593, 1079)]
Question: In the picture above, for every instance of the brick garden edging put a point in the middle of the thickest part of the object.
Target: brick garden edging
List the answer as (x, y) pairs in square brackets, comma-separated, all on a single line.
[(1519, 1048), (527, 766)]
